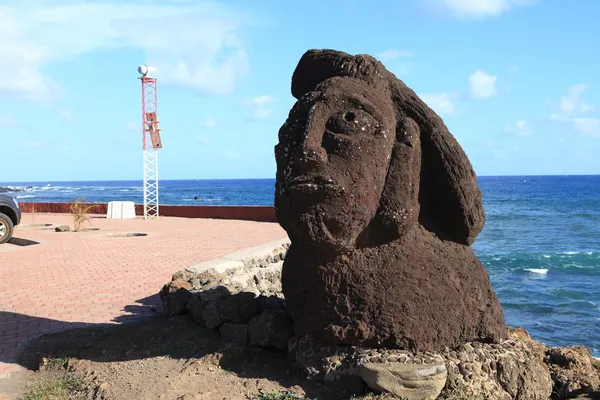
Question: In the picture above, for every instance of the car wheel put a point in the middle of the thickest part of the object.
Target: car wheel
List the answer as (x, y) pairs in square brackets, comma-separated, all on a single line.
[(6, 228)]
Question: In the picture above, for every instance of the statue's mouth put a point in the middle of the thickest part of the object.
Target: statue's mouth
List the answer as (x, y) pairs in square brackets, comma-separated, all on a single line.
[(311, 182)]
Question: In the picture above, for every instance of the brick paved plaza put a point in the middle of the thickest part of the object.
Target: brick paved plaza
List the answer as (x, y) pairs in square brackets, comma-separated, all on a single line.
[(76, 278)]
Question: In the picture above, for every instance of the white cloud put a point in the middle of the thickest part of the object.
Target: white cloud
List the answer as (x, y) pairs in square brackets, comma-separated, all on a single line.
[(588, 126), (572, 103), (7, 120), (393, 54), (203, 140), (482, 85), (32, 144), (572, 109), (209, 122), (133, 126), (441, 103), (67, 115), (477, 9), (192, 44), (231, 155), (260, 106), (520, 128)]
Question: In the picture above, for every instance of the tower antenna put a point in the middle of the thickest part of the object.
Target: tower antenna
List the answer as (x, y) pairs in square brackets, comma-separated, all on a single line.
[(151, 140)]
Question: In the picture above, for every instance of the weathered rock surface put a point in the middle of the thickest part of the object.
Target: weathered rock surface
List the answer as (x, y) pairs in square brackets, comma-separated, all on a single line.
[(510, 370), (175, 295), (381, 204), (573, 371), (272, 328), (407, 381)]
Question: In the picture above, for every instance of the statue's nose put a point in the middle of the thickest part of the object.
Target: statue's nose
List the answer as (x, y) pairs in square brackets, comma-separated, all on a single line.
[(311, 149)]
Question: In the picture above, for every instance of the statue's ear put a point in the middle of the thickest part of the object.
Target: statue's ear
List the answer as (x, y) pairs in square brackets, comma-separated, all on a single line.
[(451, 204), (399, 204)]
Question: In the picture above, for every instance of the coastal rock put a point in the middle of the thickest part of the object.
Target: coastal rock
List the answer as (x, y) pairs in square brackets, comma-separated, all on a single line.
[(407, 381), (573, 371), (381, 205), (525, 379)]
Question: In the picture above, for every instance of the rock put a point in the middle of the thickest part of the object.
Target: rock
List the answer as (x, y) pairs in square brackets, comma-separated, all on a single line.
[(381, 205), (62, 228), (406, 381), (182, 276), (174, 297), (236, 334), (272, 302), (271, 328), (211, 315), (251, 309), (528, 380), (207, 280), (199, 300), (573, 371), (231, 307)]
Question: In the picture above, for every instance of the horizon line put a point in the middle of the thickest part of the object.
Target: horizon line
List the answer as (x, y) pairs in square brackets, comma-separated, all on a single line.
[(260, 179)]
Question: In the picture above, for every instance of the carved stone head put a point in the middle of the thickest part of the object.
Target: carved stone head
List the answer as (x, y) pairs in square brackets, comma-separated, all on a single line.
[(361, 160)]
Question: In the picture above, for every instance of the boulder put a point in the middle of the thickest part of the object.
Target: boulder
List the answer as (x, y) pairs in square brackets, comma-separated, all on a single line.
[(211, 315), (406, 381), (199, 300), (381, 205), (63, 228), (174, 297), (528, 379), (271, 328), (573, 371), (236, 334), (231, 307)]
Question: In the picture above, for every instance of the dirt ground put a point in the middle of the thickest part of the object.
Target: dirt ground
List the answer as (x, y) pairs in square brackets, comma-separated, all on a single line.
[(158, 358)]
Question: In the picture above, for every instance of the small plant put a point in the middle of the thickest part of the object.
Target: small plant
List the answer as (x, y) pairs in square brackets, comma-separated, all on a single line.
[(65, 387), (80, 210)]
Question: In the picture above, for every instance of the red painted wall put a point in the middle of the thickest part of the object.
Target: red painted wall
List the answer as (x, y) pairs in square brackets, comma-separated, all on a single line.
[(249, 213)]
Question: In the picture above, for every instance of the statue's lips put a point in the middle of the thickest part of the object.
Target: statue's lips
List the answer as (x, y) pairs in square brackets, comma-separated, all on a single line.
[(314, 183)]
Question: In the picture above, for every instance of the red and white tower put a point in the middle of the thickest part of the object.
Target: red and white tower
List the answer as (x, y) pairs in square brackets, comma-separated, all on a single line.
[(151, 140)]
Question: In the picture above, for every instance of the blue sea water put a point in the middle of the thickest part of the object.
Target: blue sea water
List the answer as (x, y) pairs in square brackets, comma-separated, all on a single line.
[(540, 244)]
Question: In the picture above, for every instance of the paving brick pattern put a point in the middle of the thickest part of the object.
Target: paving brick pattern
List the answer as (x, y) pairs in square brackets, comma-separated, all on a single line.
[(74, 279)]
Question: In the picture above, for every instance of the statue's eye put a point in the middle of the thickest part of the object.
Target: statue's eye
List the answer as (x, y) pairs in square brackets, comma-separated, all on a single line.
[(351, 121)]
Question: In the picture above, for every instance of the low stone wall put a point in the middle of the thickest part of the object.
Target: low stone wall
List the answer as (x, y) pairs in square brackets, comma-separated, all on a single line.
[(240, 296), (249, 213)]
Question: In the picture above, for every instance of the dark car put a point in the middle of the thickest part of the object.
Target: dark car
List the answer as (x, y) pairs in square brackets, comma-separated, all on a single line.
[(10, 216)]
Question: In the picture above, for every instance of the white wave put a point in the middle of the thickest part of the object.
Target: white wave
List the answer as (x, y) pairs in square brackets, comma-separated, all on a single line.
[(573, 265), (546, 256), (26, 196), (589, 253), (569, 253), (539, 271), (496, 258)]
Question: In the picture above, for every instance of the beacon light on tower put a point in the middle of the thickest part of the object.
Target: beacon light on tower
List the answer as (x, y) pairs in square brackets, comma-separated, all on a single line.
[(146, 70)]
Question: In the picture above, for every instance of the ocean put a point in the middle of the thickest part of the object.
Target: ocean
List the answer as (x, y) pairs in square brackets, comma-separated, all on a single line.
[(540, 244)]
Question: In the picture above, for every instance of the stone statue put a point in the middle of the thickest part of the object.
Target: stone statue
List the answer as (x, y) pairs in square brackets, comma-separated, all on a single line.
[(381, 206)]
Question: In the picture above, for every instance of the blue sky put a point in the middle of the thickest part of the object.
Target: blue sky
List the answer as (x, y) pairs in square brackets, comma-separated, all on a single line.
[(516, 81)]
